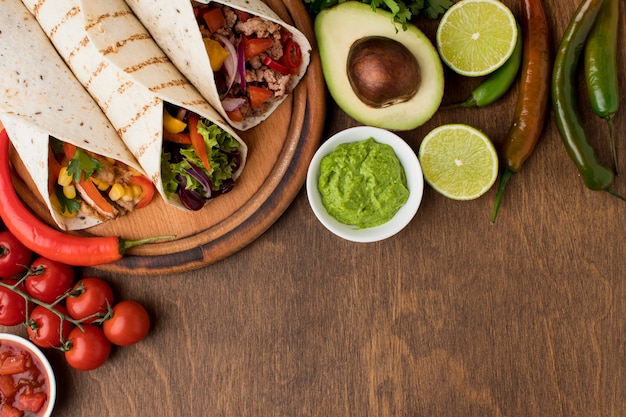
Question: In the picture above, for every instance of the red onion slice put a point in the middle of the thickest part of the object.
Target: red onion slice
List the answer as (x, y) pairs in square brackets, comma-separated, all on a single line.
[(232, 104), (231, 61), (241, 66)]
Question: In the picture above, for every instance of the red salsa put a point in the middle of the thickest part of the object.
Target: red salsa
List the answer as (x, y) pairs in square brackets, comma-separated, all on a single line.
[(24, 386)]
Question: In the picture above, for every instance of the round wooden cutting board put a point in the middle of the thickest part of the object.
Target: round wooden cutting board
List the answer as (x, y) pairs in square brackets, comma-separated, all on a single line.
[(280, 150)]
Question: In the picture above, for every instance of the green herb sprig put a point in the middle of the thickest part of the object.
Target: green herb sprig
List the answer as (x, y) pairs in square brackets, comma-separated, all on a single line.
[(403, 11)]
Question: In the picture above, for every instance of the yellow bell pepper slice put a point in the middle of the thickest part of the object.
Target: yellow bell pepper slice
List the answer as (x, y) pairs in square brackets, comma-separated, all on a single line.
[(172, 124), (217, 53)]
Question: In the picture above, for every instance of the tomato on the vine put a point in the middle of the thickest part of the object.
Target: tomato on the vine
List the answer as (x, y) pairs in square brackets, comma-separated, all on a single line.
[(89, 297), (128, 324), (44, 326), (14, 256), (49, 279), (87, 349), (12, 305)]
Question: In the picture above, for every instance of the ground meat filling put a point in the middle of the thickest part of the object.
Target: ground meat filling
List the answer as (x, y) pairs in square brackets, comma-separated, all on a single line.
[(256, 72)]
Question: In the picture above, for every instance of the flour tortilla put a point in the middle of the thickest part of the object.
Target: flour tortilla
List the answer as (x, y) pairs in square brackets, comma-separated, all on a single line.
[(116, 60), (174, 27), (43, 99)]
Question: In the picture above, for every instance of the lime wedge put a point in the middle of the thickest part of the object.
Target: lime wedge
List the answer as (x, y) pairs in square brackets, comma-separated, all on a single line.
[(475, 37), (458, 161)]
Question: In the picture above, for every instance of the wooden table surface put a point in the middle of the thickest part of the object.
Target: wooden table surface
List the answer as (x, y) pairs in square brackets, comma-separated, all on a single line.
[(454, 316)]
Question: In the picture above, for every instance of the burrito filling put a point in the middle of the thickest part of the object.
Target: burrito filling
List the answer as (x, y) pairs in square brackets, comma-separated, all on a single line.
[(84, 183), (199, 158), (252, 58)]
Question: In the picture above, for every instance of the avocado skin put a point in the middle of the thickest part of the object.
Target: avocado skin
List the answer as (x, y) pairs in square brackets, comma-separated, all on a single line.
[(339, 27)]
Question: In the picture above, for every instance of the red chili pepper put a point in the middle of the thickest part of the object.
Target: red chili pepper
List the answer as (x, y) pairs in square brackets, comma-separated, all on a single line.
[(275, 65), (533, 94), (293, 55), (47, 241)]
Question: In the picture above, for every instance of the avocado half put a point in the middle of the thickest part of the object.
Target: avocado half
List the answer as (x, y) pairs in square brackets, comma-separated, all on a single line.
[(342, 29)]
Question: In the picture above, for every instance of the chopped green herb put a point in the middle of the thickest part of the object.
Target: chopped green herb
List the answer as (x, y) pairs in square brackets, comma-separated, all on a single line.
[(71, 205), (403, 11), (81, 164)]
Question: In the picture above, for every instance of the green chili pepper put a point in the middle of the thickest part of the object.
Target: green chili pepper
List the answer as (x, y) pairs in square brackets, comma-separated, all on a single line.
[(600, 63), (498, 83), (595, 175)]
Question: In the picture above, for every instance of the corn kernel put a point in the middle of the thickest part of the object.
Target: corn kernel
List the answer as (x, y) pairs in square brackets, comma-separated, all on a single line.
[(64, 178), (137, 190), (102, 185), (69, 191), (116, 192), (128, 193), (69, 215)]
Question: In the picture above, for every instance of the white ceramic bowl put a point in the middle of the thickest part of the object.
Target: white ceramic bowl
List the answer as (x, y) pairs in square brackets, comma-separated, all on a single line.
[(28, 346), (412, 168)]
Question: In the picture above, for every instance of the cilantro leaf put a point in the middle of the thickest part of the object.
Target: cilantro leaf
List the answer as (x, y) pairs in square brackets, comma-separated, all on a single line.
[(434, 8), (69, 205), (81, 164), (403, 11)]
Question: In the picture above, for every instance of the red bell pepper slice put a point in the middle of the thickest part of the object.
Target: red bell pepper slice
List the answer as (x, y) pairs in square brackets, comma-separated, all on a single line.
[(69, 150), (197, 140), (147, 190), (258, 95), (54, 168), (276, 66), (214, 18), (254, 46), (94, 194)]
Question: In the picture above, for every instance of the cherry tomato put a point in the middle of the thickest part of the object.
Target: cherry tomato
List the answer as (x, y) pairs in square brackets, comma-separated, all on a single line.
[(88, 348), (214, 18), (14, 256), (254, 46), (49, 280), (12, 305), (89, 297), (44, 326), (258, 95), (128, 324)]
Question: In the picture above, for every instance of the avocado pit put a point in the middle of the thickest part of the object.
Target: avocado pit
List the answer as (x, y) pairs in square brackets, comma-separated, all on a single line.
[(382, 71)]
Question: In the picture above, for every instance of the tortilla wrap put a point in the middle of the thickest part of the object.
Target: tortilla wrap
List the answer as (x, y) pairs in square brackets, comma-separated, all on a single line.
[(174, 27), (33, 78), (127, 74)]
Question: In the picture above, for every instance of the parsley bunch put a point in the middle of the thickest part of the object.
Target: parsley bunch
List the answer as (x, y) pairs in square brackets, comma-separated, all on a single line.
[(403, 11)]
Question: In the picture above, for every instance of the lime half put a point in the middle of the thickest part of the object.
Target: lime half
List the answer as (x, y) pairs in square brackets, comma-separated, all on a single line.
[(458, 161), (475, 37)]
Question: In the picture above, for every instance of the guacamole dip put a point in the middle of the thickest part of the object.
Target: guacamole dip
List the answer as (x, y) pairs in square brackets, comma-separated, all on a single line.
[(362, 183)]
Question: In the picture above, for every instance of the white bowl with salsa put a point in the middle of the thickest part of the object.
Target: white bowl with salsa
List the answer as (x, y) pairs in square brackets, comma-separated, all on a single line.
[(365, 184), (27, 382)]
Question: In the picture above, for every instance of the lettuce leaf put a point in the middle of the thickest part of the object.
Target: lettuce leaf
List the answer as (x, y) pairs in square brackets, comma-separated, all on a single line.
[(219, 145)]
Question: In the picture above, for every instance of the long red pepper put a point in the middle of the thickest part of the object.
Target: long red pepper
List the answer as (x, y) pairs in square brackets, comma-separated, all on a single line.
[(533, 95), (47, 241)]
